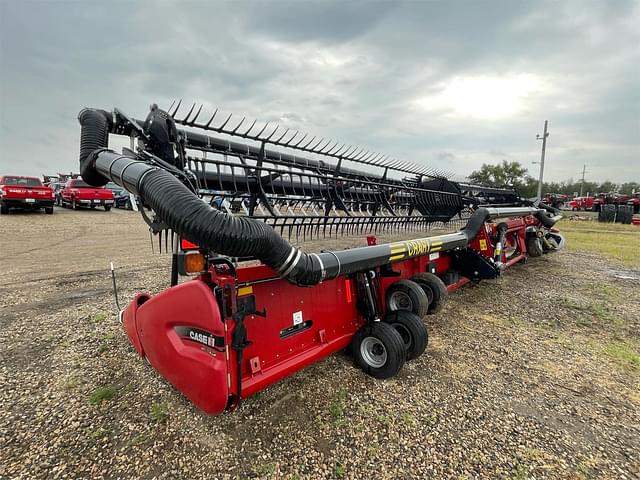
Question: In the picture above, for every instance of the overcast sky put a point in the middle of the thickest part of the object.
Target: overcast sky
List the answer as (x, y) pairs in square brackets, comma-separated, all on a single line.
[(448, 84)]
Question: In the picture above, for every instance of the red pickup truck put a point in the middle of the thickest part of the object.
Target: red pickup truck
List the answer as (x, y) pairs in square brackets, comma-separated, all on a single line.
[(26, 193), (76, 193)]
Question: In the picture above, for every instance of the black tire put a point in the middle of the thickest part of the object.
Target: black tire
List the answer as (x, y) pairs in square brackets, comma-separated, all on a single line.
[(48, 210), (107, 208), (74, 205), (434, 288), (534, 246), (378, 350), (58, 202), (600, 215), (4, 209), (625, 214), (406, 295), (608, 213), (412, 330)]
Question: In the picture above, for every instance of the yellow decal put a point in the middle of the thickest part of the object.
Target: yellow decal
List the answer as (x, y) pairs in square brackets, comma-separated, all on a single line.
[(483, 244), (245, 291)]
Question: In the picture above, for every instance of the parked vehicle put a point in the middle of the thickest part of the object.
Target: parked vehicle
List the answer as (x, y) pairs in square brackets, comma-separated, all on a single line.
[(76, 193), (121, 198), (581, 203), (555, 200), (56, 186), (25, 193)]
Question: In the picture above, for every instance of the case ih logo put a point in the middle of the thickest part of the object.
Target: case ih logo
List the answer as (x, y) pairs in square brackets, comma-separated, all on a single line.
[(200, 336)]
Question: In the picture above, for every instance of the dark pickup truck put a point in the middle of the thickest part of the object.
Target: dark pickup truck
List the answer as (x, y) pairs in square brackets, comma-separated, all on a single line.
[(25, 193)]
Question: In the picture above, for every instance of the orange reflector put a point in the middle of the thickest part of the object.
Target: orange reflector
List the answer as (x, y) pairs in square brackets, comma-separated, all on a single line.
[(187, 245), (194, 262), (347, 290)]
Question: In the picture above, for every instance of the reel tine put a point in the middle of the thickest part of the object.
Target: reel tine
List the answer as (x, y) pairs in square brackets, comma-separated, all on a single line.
[(250, 128), (211, 119), (192, 123), (272, 133), (185, 120), (261, 131), (176, 110), (301, 140), (308, 143), (233, 132), (221, 127)]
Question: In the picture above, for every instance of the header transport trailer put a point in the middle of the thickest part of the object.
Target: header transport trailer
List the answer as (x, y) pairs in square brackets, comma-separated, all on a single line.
[(238, 326)]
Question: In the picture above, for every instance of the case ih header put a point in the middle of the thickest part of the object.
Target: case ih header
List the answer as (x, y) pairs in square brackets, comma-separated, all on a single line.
[(240, 326)]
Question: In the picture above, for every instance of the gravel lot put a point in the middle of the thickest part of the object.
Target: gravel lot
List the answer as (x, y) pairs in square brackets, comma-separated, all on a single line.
[(535, 375)]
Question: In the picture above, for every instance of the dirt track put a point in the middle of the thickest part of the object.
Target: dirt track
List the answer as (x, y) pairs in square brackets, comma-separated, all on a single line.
[(533, 375)]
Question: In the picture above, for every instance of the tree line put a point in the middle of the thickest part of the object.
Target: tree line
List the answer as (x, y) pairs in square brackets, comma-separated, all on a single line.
[(515, 175)]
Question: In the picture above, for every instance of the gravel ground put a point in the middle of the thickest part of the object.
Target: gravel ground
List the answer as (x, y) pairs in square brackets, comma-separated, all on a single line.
[(535, 375)]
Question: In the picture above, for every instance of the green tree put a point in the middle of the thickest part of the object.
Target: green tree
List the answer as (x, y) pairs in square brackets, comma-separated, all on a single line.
[(502, 175)]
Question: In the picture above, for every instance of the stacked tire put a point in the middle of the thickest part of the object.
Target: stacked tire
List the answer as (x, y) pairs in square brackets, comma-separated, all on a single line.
[(607, 213), (624, 214)]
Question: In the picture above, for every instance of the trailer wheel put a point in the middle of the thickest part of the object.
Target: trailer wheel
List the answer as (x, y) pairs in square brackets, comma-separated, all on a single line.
[(534, 246), (378, 349), (48, 210), (412, 330), (4, 209), (107, 208), (434, 288), (407, 295)]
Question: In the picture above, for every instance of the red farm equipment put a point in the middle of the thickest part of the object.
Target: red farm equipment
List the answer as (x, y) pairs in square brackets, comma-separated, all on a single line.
[(258, 308)]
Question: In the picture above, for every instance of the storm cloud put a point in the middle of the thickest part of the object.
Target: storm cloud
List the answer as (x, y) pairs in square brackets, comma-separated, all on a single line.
[(447, 84)]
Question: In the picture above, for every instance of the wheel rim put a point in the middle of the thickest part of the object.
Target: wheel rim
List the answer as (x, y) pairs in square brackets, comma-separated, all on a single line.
[(404, 333), (373, 352), (400, 301)]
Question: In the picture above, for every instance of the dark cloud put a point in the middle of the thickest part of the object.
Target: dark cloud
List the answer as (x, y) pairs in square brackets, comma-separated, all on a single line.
[(450, 84)]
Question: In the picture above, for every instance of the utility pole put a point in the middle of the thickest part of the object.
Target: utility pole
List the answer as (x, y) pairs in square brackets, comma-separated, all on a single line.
[(544, 147), (584, 170)]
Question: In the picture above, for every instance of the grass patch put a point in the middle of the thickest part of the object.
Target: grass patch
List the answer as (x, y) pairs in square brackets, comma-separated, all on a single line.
[(623, 354), (99, 433), (614, 241), (159, 412), (136, 440), (339, 470), (265, 469), (338, 404), (101, 394), (100, 317)]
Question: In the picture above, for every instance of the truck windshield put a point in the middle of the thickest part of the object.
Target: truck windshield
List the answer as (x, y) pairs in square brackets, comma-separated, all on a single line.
[(22, 181)]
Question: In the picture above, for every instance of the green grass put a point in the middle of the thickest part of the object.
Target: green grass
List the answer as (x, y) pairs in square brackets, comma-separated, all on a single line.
[(265, 469), (101, 394), (623, 354), (100, 317), (99, 433), (614, 241), (339, 470), (338, 404), (159, 412)]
